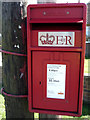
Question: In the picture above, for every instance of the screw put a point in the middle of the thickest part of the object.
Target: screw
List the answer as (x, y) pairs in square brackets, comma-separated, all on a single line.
[(44, 13), (67, 12)]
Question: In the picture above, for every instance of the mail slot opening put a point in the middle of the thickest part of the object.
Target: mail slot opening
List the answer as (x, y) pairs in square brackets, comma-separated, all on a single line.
[(57, 26), (57, 34)]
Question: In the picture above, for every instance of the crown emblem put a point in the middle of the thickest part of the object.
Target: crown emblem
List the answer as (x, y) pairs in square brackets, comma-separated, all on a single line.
[(47, 39)]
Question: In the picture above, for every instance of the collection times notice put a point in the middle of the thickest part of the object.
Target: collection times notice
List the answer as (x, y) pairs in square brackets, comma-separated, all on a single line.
[(56, 76)]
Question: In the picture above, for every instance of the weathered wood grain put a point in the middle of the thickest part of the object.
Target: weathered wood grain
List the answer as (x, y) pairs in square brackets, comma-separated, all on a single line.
[(14, 67)]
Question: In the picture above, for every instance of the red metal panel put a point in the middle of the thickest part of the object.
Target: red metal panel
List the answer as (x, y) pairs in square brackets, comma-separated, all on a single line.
[(72, 62), (65, 18), (61, 12)]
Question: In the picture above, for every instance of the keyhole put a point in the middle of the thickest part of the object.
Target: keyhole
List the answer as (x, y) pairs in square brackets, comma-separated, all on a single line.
[(40, 82)]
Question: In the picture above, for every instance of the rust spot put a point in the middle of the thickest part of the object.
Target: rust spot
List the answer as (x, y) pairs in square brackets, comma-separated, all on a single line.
[(60, 93)]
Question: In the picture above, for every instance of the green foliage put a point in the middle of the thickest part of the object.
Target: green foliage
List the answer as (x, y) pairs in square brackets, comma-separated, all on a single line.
[(86, 108), (2, 107), (87, 66)]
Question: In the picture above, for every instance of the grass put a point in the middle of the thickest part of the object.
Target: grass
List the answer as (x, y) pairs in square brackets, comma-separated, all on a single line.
[(2, 106), (85, 113), (85, 110)]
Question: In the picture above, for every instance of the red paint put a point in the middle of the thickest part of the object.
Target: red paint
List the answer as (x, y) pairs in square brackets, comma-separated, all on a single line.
[(11, 95), (47, 37), (39, 91), (12, 53), (65, 18)]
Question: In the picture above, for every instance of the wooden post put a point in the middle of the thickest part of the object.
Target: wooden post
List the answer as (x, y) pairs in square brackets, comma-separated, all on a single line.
[(0, 23), (14, 66)]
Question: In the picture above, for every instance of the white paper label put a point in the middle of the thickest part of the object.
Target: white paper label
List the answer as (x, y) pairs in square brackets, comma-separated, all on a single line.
[(56, 75), (56, 39)]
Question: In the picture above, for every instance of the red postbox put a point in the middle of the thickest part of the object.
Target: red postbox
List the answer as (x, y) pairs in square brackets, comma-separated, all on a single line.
[(56, 51)]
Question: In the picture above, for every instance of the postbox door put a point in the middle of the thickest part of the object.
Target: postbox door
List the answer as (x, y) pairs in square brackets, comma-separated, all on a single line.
[(55, 77)]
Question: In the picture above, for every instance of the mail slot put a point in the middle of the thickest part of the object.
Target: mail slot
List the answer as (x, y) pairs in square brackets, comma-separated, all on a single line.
[(56, 51)]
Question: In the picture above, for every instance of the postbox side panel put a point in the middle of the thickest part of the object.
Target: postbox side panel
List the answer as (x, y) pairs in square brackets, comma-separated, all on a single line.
[(71, 62)]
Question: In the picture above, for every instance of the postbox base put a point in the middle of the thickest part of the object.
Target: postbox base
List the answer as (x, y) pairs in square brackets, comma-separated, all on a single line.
[(56, 112)]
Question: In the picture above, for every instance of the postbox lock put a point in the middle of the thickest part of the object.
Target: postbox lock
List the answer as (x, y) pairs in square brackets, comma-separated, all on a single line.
[(40, 82)]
